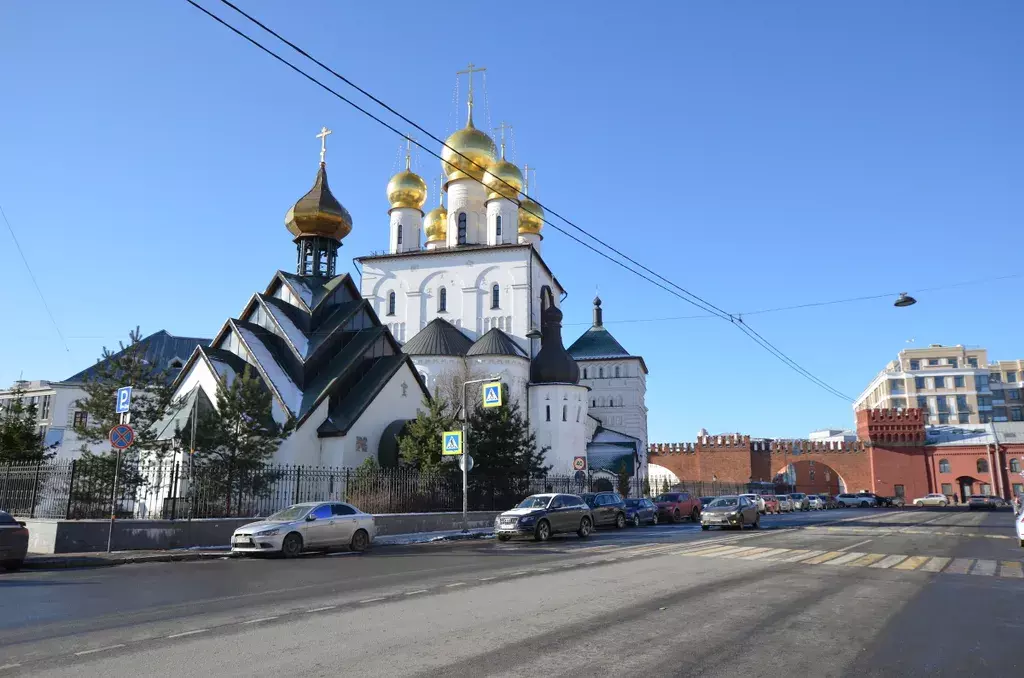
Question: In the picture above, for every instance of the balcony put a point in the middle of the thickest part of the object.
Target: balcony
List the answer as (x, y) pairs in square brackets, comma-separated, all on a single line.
[(984, 408), (998, 401)]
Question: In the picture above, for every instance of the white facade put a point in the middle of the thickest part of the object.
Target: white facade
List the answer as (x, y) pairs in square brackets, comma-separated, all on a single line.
[(502, 222), (56, 411), (406, 229), (618, 388), (558, 416), (466, 197)]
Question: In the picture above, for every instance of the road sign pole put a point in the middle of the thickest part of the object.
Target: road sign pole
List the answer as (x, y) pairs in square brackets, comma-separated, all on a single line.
[(465, 465), (113, 500)]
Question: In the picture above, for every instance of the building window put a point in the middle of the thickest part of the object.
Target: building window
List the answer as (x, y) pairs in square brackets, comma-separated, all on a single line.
[(973, 362), (995, 377), (617, 370), (600, 372), (940, 382), (961, 403), (565, 413), (497, 227), (579, 411), (547, 412), (984, 417), (986, 489), (1016, 414), (958, 381), (391, 303), (80, 420), (947, 489), (933, 362), (922, 402), (44, 413), (952, 362), (1011, 377), (944, 466), (915, 364), (963, 417), (919, 383), (1018, 489), (899, 490), (1012, 394), (495, 296), (399, 234), (982, 466), (442, 300), (981, 381), (1015, 465), (593, 403), (584, 372), (943, 417), (462, 228)]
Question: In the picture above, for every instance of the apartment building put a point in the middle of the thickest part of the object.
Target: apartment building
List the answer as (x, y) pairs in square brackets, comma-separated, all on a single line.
[(952, 384)]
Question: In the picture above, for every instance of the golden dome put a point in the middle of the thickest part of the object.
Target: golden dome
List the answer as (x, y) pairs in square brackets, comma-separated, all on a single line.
[(407, 189), (500, 177), (531, 216), (436, 224), (319, 212), (474, 145)]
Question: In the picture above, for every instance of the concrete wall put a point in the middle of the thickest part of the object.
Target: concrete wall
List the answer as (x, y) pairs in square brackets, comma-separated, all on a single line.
[(84, 536)]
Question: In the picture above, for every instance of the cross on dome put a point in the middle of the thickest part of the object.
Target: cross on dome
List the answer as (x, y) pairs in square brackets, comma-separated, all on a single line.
[(470, 70), (323, 143)]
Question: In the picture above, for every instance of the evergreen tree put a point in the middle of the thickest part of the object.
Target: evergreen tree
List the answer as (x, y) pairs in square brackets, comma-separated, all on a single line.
[(20, 439), (502, 444), (622, 480), (420, 445), (647, 486)]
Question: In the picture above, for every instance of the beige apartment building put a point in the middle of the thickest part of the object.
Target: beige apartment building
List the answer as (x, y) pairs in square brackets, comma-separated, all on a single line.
[(954, 384)]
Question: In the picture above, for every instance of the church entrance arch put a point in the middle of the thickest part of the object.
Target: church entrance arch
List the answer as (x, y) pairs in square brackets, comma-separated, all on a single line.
[(968, 485), (811, 477)]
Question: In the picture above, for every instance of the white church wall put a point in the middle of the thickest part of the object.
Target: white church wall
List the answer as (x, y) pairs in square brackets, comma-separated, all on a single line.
[(467, 196), (401, 398), (509, 213), (303, 446), (565, 439), (411, 222), (514, 372), (202, 375)]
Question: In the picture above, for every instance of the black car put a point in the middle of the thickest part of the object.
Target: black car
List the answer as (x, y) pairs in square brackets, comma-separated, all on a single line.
[(13, 542), (608, 508), (641, 512), (880, 501), (542, 515), (704, 501)]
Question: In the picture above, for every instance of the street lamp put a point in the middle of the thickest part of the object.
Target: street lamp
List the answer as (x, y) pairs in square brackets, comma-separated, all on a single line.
[(465, 449), (905, 300)]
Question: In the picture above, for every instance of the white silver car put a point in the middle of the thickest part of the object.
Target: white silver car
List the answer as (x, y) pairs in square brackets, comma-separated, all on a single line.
[(933, 499), (1019, 522), (303, 527), (756, 499), (815, 503), (785, 503)]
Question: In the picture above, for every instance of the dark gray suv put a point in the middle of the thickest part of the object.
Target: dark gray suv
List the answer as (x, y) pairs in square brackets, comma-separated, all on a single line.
[(608, 508), (542, 515)]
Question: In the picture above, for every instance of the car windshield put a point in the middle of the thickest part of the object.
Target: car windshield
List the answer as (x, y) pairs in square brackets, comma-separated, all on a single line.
[(667, 497), (724, 501), (634, 502), (289, 514), (538, 501)]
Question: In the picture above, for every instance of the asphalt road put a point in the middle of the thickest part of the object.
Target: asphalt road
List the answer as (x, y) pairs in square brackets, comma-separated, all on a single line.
[(841, 593)]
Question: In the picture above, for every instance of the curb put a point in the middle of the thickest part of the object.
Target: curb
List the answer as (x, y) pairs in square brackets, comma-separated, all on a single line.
[(57, 563)]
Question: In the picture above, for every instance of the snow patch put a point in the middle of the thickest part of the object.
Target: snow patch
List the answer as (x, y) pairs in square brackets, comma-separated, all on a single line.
[(294, 334), (290, 393)]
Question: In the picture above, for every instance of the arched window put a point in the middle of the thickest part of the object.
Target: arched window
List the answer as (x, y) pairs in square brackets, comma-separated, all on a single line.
[(391, 303), (579, 410), (1015, 465), (593, 403), (442, 300), (565, 413), (399, 234), (495, 296), (983, 466), (584, 372), (943, 465), (497, 228), (616, 370), (600, 372), (547, 412), (462, 228)]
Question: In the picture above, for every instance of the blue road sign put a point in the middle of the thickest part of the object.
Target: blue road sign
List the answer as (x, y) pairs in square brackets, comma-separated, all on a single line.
[(124, 400), (122, 436), (492, 394), (451, 443)]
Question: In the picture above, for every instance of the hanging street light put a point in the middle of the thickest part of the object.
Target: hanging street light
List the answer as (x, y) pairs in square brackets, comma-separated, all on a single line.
[(905, 300)]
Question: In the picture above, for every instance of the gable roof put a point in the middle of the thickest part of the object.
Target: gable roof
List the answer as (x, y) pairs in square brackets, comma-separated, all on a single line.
[(439, 337), (496, 342), (160, 349)]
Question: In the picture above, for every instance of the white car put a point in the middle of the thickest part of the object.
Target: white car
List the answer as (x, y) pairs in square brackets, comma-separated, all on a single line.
[(301, 527), (933, 499), (1019, 520), (756, 499), (785, 503), (815, 503), (847, 500)]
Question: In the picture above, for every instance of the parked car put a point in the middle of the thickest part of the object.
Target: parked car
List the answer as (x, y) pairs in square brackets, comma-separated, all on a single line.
[(814, 503), (785, 503), (704, 501), (847, 500), (983, 501), (1019, 522), (730, 511), (310, 525), (675, 506), (933, 499), (542, 515), (800, 502), (757, 499), (879, 500), (13, 542), (641, 511), (607, 508), (830, 501), (771, 504)]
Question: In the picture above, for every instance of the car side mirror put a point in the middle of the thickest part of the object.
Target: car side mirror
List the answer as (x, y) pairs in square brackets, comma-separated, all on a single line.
[(310, 518)]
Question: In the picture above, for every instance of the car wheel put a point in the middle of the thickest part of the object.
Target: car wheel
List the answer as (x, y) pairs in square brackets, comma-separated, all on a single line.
[(757, 523), (585, 527), (863, 504), (13, 565), (503, 537), (291, 547), (620, 521), (918, 503), (695, 515), (1022, 543), (360, 541), (676, 517), (543, 532), (654, 520), (636, 520), (708, 527), (944, 504)]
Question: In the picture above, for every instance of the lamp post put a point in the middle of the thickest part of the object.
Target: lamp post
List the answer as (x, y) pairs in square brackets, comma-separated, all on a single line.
[(465, 449)]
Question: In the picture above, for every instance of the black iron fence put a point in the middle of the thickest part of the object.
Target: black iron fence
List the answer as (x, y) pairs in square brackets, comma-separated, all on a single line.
[(68, 489)]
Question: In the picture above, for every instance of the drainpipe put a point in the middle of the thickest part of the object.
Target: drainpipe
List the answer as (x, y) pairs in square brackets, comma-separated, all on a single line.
[(993, 467)]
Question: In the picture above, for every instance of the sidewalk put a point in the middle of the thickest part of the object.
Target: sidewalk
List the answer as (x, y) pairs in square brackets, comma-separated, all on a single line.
[(56, 561)]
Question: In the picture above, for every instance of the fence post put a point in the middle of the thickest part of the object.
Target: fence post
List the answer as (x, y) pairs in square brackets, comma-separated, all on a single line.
[(35, 490), (7, 483), (71, 491), (346, 484), (174, 490), (298, 477)]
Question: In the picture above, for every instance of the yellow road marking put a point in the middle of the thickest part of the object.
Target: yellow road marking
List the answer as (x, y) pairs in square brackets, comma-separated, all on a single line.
[(800, 555), (934, 564), (985, 568), (867, 560), (960, 566), (1011, 568), (888, 561), (746, 552), (912, 563), (848, 557), (818, 560), (767, 555)]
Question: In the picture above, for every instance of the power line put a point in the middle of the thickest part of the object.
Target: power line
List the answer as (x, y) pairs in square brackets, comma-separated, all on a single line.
[(689, 297), (35, 283)]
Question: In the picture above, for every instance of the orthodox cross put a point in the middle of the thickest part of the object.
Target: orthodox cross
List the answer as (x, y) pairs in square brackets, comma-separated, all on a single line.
[(408, 152), (470, 70), (323, 142), (502, 126)]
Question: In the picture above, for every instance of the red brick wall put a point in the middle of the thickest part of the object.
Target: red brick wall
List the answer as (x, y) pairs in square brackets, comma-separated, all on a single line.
[(892, 428), (905, 466)]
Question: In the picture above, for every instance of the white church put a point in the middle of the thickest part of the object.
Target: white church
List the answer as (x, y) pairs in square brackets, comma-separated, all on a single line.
[(463, 293)]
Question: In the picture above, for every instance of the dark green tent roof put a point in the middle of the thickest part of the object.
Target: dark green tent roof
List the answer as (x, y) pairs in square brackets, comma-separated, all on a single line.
[(439, 337), (496, 342)]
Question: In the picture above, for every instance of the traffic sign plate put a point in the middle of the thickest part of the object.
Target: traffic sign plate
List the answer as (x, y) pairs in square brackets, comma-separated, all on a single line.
[(492, 394), (122, 436), (451, 443), (124, 400), (462, 463), (579, 463)]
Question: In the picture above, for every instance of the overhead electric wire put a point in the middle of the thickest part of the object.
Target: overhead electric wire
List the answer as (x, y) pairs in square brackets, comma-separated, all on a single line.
[(689, 297)]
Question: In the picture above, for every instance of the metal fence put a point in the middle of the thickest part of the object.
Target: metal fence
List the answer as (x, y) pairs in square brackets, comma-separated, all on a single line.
[(68, 489)]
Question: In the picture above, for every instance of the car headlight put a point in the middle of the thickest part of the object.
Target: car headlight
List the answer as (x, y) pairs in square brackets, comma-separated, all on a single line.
[(526, 520), (268, 533)]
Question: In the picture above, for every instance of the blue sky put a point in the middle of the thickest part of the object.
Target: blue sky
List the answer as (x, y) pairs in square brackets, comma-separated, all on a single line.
[(759, 154)]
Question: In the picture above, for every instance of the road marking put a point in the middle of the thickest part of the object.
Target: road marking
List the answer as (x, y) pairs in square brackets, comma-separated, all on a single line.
[(322, 609), (767, 555), (960, 566), (487, 578), (912, 563), (818, 560), (542, 569), (99, 649), (1011, 568), (848, 557), (516, 574), (257, 621), (371, 600), (934, 564), (747, 553), (9, 666), (737, 551), (714, 551), (458, 583), (985, 568), (414, 593), (188, 633), (889, 561), (853, 546), (802, 556)]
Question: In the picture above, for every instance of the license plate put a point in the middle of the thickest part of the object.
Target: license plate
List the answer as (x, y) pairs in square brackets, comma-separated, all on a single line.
[(243, 542)]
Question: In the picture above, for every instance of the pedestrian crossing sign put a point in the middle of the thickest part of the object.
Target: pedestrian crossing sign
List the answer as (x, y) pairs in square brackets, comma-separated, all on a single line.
[(492, 394), (451, 443)]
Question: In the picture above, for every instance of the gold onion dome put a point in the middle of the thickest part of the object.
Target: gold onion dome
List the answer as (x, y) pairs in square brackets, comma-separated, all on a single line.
[(476, 146), (435, 226), (407, 189), (503, 180), (531, 216), (319, 212)]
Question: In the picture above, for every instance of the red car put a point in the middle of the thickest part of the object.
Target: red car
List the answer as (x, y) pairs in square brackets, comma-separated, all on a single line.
[(771, 504), (675, 506)]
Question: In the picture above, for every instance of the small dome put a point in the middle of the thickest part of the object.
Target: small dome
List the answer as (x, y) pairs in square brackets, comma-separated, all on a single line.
[(500, 177), (407, 189), (319, 212), (531, 217), (474, 145), (436, 224)]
